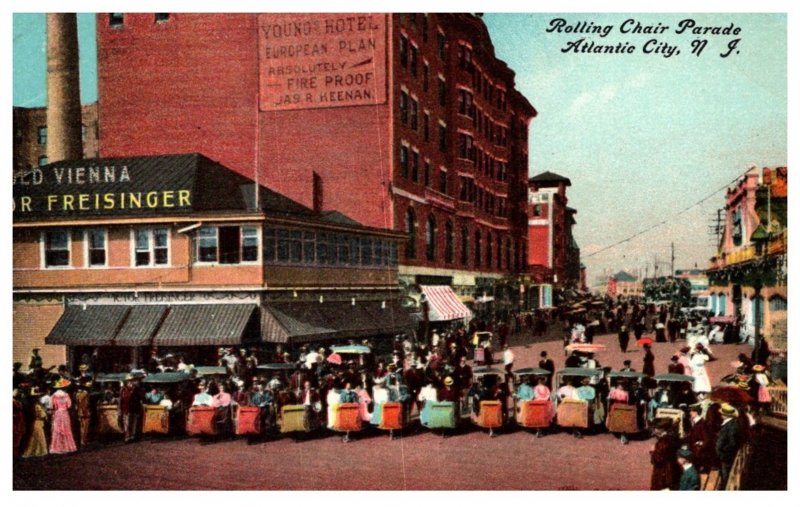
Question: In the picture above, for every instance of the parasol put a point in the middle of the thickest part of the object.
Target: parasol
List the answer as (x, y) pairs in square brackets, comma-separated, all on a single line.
[(351, 349), (585, 347), (730, 394), (644, 340), (334, 359)]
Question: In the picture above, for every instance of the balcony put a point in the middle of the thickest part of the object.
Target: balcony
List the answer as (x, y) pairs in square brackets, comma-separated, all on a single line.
[(778, 244)]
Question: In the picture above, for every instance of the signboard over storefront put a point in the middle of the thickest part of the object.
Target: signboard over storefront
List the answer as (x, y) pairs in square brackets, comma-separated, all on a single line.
[(310, 61)]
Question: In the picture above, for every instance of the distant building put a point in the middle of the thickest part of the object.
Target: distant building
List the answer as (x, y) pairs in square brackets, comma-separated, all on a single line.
[(748, 276), (30, 136), (624, 284)]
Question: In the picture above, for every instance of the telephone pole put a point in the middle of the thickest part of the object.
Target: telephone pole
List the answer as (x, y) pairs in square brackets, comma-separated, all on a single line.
[(672, 260)]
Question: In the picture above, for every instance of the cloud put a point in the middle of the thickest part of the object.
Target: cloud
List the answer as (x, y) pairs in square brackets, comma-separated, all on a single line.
[(594, 101)]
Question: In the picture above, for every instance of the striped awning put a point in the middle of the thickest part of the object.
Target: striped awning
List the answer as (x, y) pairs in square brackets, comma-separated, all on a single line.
[(443, 304), (207, 324), (87, 325)]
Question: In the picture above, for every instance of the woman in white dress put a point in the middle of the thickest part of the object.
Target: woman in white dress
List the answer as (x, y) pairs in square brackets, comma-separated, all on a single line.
[(698, 359)]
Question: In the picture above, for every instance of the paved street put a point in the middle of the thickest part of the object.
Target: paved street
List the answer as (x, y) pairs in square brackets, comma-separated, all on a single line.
[(418, 461)]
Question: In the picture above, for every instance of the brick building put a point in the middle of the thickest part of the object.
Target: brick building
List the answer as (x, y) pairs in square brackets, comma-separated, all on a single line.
[(177, 251), (30, 136), (553, 255), (401, 121)]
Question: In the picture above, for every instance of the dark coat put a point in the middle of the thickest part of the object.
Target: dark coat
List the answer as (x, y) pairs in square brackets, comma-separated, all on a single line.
[(649, 367), (700, 441), (728, 442), (690, 480), (665, 467)]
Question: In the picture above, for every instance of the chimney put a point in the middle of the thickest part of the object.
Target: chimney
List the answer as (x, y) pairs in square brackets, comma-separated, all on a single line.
[(63, 89), (318, 193)]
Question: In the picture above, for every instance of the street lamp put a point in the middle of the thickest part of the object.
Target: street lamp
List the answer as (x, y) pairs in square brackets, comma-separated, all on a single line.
[(759, 238)]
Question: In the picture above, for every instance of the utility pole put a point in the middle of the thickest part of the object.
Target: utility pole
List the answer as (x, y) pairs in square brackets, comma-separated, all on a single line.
[(672, 260)]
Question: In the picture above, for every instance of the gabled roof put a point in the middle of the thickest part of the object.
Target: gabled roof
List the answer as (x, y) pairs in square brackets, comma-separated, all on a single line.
[(622, 276), (548, 177)]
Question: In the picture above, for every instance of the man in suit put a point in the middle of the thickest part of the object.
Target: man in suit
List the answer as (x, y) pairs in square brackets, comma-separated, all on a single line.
[(699, 439), (131, 399), (728, 441), (546, 363), (690, 479)]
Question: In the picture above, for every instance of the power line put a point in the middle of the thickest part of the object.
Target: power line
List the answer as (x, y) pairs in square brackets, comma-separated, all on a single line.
[(659, 224)]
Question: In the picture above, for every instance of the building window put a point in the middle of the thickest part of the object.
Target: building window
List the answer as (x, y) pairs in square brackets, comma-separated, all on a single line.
[(42, 136), (448, 242), (116, 19), (426, 127), (430, 239), (404, 161), (95, 247), (777, 304), (413, 60), (411, 234), (56, 248), (464, 245), (441, 44), (465, 146), (477, 249), (499, 253), (161, 17), (464, 56), (508, 253), (43, 160), (427, 173), (443, 181), (489, 250), (414, 114), (442, 137), (404, 51), (442, 92), (151, 247), (415, 166), (404, 108), (426, 76), (424, 28)]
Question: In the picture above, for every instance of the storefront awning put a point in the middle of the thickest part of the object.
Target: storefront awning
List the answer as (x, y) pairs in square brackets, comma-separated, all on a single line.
[(304, 321), (87, 325), (207, 324), (140, 326), (443, 304)]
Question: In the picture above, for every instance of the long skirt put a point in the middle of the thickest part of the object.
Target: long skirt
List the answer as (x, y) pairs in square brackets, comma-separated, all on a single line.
[(37, 443), (62, 440)]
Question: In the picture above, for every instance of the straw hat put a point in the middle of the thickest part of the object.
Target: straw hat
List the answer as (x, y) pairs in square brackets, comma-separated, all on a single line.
[(759, 367), (727, 410), (448, 381), (61, 383)]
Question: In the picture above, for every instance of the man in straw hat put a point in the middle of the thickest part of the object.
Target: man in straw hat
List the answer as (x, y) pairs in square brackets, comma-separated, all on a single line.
[(728, 441), (131, 399)]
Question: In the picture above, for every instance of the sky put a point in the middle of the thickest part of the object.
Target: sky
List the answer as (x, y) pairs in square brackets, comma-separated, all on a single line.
[(641, 136)]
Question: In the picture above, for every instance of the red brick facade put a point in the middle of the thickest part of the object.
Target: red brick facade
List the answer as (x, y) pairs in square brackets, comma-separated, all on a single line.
[(191, 83)]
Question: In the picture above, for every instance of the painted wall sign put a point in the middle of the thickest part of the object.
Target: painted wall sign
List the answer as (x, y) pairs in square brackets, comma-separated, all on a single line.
[(310, 61)]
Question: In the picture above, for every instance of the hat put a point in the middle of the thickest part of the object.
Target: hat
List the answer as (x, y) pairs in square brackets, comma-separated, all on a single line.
[(685, 349), (627, 361), (61, 383), (759, 367), (35, 391), (684, 453), (448, 381), (727, 410), (35, 350), (83, 367), (743, 385), (673, 358), (321, 350)]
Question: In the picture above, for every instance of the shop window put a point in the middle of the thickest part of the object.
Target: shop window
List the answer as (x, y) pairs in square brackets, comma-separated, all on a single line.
[(56, 248), (151, 247), (96, 247)]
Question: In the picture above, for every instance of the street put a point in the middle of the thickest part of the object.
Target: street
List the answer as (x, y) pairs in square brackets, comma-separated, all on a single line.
[(470, 460)]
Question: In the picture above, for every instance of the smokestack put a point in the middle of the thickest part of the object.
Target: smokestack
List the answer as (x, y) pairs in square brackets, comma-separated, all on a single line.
[(63, 89)]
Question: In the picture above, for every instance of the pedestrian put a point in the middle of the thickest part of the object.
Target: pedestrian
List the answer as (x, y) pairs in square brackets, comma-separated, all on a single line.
[(728, 441), (546, 363), (761, 378), (19, 420), (131, 399), (674, 366), (699, 439), (690, 479), (697, 360), (662, 457), (84, 411), (37, 441), (623, 337), (61, 440), (508, 359), (649, 366)]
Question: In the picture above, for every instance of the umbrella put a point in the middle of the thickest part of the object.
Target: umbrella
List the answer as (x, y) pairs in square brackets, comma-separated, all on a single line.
[(644, 340), (585, 347), (673, 377), (730, 394), (532, 371), (334, 358), (351, 349)]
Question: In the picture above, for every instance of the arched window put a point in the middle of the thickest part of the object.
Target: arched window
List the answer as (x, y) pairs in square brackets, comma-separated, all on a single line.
[(489, 250), (477, 248), (448, 242), (464, 245), (777, 304), (430, 239), (411, 233)]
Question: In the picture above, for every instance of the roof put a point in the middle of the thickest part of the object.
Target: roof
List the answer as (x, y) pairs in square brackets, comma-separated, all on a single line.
[(622, 276), (141, 324), (205, 324), (89, 325), (550, 177), (443, 304)]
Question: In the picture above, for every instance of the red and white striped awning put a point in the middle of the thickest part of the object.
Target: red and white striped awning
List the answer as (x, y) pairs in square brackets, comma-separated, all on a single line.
[(443, 304)]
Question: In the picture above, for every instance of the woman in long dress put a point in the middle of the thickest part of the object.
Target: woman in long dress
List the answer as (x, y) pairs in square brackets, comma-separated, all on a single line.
[(62, 440), (702, 384), (37, 442)]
